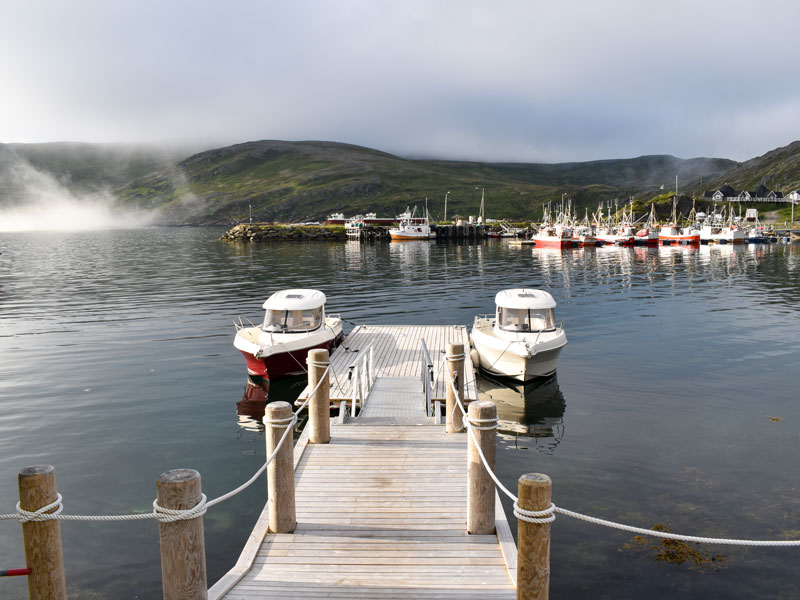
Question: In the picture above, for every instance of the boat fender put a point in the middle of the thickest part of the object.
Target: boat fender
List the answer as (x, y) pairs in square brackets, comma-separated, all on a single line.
[(475, 357)]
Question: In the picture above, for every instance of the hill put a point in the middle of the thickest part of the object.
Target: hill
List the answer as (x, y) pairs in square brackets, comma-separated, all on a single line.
[(305, 181), (302, 181)]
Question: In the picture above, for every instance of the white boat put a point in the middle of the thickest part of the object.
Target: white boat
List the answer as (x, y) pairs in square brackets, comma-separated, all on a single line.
[(521, 340), (295, 322), (411, 227)]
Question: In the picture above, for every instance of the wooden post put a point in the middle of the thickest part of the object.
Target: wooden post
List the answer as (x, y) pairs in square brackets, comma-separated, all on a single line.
[(280, 472), (480, 494), (455, 366), (183, 549), (319, 407), (42, 539), (533, 558)]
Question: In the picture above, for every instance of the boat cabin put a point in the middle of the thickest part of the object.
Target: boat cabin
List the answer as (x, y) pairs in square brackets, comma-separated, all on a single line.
[(294, 311), (525, 310)]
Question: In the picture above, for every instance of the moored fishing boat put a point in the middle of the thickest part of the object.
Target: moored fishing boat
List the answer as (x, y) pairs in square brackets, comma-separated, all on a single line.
[(411, 227), (295, 322), (521, 340)]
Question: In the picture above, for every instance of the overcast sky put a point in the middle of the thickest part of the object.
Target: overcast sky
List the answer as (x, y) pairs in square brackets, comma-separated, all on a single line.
[(495, 80)]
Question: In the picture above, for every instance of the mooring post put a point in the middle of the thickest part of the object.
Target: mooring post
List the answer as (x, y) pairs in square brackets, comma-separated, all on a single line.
[(533, 558), (480, 494), (455, 369), (42, 539), (319, 407), (183, 549), (280, 472)]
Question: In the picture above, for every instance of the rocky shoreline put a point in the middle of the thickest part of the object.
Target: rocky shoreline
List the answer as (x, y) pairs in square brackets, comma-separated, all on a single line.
[(259, 232)]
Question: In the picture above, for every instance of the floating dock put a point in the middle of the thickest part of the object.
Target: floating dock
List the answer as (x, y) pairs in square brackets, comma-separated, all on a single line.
[(396, 355), (382, 507)]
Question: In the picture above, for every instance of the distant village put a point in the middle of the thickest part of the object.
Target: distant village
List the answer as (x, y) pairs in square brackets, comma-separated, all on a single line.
[(762, 193)]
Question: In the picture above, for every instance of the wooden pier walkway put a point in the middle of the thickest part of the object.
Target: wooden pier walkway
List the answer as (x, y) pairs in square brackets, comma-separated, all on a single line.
[(382, 507), (397, 349)]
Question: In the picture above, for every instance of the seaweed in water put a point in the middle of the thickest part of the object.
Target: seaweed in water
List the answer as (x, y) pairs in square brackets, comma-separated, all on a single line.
[(676, 552)]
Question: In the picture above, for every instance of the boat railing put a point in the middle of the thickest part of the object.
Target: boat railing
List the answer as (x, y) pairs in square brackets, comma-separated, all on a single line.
[(240, 325), (426, 376), (362, 376)]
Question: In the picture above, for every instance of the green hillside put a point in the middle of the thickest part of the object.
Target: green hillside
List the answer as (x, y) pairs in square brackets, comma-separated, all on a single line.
[(305, 181), (302, 181)]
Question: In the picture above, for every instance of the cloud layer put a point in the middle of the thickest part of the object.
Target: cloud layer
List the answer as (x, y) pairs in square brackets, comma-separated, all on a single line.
[(500, 81)]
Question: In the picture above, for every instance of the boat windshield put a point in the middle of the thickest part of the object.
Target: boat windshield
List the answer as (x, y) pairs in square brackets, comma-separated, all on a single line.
[(526, 319), (288, 321)]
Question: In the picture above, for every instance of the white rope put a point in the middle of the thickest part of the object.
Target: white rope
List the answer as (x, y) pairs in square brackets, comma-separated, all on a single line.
[(535, 516), (548, 516), (471, 422), (161, 514)]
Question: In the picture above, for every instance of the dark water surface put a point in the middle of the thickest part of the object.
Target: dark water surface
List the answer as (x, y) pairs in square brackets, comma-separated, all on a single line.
[(675, 403)]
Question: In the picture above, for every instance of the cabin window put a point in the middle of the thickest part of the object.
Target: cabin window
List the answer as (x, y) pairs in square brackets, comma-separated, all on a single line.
[(526, 319), (288, 321)]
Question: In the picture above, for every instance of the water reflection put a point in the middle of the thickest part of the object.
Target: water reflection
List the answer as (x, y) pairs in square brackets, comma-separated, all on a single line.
[(251, 408), (534, 410)]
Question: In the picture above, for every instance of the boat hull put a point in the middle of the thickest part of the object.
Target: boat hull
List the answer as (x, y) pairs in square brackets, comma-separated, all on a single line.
[(407, 237), (518, 368), (511, 359), (284, 364), (554, 242), (666, 240)]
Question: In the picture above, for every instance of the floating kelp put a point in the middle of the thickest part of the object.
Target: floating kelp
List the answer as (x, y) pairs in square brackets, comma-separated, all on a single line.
[(675, 552)]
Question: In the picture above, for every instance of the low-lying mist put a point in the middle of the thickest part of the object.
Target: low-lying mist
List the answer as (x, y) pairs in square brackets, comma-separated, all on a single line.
[(33, 200)]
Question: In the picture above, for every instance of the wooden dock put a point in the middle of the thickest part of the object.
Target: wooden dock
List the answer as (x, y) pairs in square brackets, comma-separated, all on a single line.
[(396, 350), (381, 508)]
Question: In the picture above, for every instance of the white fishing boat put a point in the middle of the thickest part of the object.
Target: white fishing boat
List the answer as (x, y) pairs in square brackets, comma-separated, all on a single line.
[(295, 322), (411, 227), (521, 340)]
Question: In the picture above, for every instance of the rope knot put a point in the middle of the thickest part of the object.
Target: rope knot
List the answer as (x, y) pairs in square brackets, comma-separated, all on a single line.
[(41, 514), (535, 516), (170, 515), (472, 423), (280, 423)]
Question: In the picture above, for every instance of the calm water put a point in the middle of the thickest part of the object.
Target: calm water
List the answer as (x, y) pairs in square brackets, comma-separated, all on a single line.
[(117, 365)]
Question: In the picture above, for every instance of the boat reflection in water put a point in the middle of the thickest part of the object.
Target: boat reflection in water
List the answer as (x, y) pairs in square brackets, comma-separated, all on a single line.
[(534, 410), (253, 405)]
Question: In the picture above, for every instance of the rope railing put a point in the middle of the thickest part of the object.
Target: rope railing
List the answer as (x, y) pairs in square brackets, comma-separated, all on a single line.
[(159, 513), (548, 515)]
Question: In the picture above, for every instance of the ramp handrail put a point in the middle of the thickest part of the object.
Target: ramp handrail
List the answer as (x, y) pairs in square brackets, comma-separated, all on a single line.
[(426, 376), (362, 373)]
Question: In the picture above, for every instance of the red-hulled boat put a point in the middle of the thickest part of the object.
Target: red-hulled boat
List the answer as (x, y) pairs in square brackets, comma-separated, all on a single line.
[(295, 322)]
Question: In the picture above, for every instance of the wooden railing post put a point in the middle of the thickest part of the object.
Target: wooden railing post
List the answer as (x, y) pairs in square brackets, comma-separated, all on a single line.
[(280, 472), (319, 407), (455, 367), (42, 539), (533, 558), (183, 549), (480, 487)]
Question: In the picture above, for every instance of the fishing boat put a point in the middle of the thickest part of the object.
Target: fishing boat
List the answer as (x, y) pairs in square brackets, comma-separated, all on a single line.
[(354, 226), (521, 340), (672, 234), (295, 322), (411, 227), (648, 235), (551, 234), (336, 219), (717, 230)]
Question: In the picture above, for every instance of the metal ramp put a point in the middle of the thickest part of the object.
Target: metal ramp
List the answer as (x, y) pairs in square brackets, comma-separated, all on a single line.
[(395, 397)]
